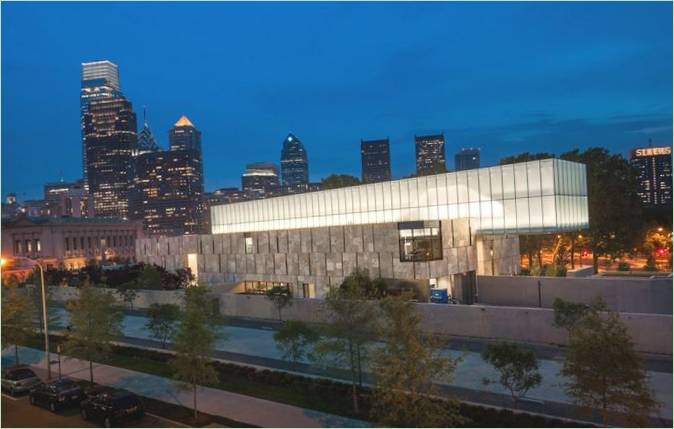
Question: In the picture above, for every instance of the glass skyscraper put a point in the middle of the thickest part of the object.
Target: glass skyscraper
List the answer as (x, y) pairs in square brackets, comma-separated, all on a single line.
[(430, 154), (376, 160), (467, 159), (260, 180), (294, 163), (100, 80)]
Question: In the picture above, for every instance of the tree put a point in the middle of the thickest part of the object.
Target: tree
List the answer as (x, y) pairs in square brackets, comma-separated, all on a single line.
[(517, 368), (194, 343), (293, 340), (614, 206), (128, 292), (360, 280), (34, 293), (162, 320), (568, 314), (16, 318), (280, 298), (524, 157), (334, 181), (405, 369), (95, 321), (605, 372), (351, 326), (150, 278)]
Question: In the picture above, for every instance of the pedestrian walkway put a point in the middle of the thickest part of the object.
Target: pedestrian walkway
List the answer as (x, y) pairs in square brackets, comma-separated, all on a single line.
[(244, 409)]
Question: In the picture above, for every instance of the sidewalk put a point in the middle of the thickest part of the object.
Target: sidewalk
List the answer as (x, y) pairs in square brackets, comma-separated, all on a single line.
[(234, 406)]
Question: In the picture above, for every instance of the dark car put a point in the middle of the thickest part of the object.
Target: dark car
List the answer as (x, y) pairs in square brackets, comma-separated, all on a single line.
[(57, 394), (19, 379), (111, 406)]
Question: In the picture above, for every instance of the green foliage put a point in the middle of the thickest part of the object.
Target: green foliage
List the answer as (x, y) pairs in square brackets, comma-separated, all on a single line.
[(294, 339), (360, 280), (162, 320), (405, 370), (606, 372), (623, 266), (194, 343), (614, 206), (280, 298), (34, 294), (150, 278), (128, 292), (334, 181), (16, 318), (524, 157), (95, 321), (568, 314), (517, 368), (351, 328)]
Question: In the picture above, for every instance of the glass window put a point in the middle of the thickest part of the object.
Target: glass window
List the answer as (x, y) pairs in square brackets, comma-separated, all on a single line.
[(38, 245), (248, 244), (29, 246), (420, 241)]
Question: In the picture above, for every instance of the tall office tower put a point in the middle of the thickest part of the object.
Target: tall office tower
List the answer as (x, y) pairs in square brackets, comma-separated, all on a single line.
[(110, 141), (654, 165), (467, 159), (375, 157), (294, 164), (100, 80), (260, 180), (430, 151), (168, 185), (146, 140), (68, 199)]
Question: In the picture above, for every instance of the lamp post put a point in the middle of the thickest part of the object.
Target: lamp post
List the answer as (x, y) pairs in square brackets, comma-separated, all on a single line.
[(45, 321)]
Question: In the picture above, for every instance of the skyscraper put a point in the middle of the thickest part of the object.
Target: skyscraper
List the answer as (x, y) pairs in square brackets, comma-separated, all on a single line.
[(260, 180), (430, 154), (100, 80), (68, 199), (146, 140), (654, 165), (168, 185), (294, 164), (110, 141), (375, 157), (467, 159)]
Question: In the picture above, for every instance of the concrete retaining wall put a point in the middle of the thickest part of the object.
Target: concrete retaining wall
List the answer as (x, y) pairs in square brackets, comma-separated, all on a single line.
[(143, 299), (631, 295), (651, 333)]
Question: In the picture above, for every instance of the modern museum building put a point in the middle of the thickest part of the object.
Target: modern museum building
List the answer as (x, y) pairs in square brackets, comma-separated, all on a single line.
[(437, 231)]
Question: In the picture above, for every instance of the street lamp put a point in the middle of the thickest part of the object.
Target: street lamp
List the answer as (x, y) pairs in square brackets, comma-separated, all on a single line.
[(45, 321)]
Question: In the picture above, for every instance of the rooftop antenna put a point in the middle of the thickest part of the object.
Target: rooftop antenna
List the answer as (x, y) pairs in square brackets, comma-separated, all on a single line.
[(144, 116)]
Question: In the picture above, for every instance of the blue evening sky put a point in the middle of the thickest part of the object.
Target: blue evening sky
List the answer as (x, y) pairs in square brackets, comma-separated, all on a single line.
[(504, 77)]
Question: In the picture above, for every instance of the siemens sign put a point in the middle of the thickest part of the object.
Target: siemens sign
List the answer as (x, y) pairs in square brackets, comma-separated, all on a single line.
[(652, 151)]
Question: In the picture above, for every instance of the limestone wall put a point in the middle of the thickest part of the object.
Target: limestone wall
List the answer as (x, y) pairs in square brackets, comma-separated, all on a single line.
[(633, 295)]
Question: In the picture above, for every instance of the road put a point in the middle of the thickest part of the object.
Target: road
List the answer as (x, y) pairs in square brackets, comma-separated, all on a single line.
[(19, 413)]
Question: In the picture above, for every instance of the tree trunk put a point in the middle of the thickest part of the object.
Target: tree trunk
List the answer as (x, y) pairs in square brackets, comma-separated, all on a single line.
[(354, 391), (573, 248), (595, 262), (91, 372), (195, 401), (360, 369), (16, 354)]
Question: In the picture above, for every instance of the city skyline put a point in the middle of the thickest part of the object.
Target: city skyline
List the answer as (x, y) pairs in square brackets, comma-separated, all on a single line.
[(590, 105)]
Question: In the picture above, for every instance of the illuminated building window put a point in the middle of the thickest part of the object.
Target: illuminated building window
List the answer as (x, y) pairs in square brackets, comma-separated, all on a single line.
[(248, 244), (420, 241)]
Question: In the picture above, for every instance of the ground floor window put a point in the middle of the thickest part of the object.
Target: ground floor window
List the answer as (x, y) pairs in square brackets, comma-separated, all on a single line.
[(255, 287), (420, 241)]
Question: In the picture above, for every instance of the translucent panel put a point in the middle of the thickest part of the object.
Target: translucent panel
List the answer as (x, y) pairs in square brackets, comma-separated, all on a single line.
[(474, 210), (534, 178), (497, 212), (386, 193), (485, 216), (462, 186), (496, 183), (453, 211), (473, 186), (422, 191), (547, 177), (432, 189), (485, 187), (508, 182), (363, 199), (510, 215), (395, 194), (379, 195), (464, 210), (441, 183), (535, 213), (521, 188), (549, 215), (452, 190), (522, 214)]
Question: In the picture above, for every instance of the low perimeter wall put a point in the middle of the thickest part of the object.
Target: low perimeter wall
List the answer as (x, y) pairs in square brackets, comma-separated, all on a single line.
[(651, 333), (631, 295)]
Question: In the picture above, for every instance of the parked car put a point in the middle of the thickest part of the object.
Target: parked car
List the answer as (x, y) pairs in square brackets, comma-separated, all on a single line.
[(19, 379), (57, 394), (111, 406)]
